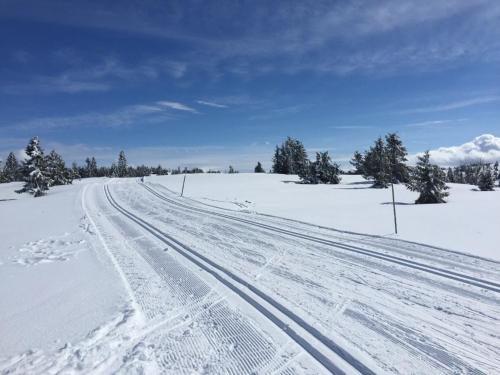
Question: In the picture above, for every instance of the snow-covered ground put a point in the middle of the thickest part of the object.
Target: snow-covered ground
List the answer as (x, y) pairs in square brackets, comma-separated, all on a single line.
[(469, 222), (55, 286), (113, 276)]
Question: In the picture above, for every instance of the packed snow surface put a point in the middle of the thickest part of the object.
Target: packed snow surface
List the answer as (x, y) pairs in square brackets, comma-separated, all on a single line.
[(469, 222), (115, 276)]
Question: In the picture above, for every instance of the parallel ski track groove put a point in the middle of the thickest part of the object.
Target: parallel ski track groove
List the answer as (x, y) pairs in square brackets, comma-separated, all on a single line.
[(471, 280), (193, 256)]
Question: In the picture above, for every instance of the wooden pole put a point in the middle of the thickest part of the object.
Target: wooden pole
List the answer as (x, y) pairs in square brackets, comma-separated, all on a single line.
[(183, 182), (394, 209)]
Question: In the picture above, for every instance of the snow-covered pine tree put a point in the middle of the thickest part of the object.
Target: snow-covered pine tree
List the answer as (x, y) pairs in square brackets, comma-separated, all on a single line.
[(450, 177), (429, 180), (75, 171), (11, 168), (396, 154), (121, 168), (357, 162), (56, 170), (486, 182), (2, 176), (290, 157), (496, 172), (321, 171), (258, 168), (34, 171), (91, 167), (376, 165)]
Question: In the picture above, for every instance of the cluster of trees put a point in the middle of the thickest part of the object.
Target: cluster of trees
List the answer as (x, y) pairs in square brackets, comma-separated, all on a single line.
[(38, 171), (384, 162), (483, 175), (291, 158)]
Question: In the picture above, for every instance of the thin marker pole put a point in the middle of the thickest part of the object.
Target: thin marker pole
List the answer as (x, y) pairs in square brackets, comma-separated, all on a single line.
[(183, 182), (394, 209)]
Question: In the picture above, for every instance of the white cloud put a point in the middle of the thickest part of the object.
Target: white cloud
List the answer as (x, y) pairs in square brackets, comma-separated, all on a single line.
[(211, 104), (177, 106), (484, 148)]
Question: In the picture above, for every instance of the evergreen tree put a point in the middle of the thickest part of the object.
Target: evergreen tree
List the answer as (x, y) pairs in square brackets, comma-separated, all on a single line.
[(2, 176), (376, 165), (232, 170), (75, 172), (321, 171), (429, 180), (495, 171), (56, 170), (486, 181), (396, 155), (91, 169), (34, 170), (11, 168), (258, 168), (121, 168), (450, 177), (290, 158), (357, 162)]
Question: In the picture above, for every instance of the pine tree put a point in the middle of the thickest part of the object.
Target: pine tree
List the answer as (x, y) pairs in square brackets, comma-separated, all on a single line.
[(91, 169), (121, 168), (429, 180), (321, 171), (376, 165), (396, 154), (34, 170), (450, 177), (3, 179), (486, 182), (75, 172), (258, 168), (357, 162), (290, 158), (232, 170), (11, 168), (56, 170), (495, 171)]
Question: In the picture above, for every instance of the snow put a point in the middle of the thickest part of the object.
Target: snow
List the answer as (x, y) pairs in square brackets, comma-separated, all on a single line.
[(469, 222), (86, 289), (54, 287)]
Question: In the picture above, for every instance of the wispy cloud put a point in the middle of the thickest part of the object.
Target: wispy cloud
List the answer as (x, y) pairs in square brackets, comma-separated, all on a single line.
[(123, 117), (433, 123), (177, 106), (211, 104), (331, 37), (88, 77), (454, 105)]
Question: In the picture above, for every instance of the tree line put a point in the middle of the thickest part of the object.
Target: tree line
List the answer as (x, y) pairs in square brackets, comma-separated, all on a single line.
[(481, 174), (384, 163), (40, 171)]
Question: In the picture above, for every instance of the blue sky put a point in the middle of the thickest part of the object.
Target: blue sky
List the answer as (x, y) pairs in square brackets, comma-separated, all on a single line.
[(221, 82)]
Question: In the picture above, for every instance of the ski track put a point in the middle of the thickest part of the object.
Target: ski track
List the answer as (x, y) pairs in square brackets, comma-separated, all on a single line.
[(450, 325), (339, 354)]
